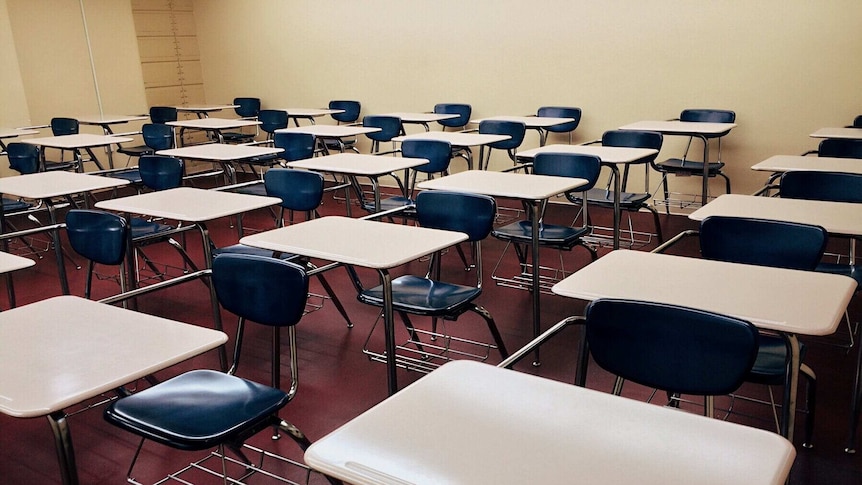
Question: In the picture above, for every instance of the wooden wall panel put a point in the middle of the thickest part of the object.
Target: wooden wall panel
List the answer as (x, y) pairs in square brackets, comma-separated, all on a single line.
[(170, 58)]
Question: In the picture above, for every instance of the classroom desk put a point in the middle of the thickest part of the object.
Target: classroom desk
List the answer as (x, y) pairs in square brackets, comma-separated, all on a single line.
[(611, 157), (692, 129), (800, 163), (76, 143), (419, 118), (353, 165), (210, 125), (468, 422), (358, 242), (459, 141), (13, 133), (105, 122), (336, 133), (538, 123), (221, 154), (779, 164), (187, 204), (532, 189), (105, 348), (10, 263), (309, 113), (847, 133), (839, 218), (45, 186), (204, 110), (788, 301)]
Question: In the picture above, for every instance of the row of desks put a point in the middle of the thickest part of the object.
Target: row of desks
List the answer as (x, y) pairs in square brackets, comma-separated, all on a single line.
[(416, 242), (314, 239)]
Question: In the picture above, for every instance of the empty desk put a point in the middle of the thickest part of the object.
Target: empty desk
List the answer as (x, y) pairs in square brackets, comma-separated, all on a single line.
[(106, 348), (532, 189), (787, 301), (358, 242), (76, 143), (611, 157), (688, 128), (468, 422), (538, 123)]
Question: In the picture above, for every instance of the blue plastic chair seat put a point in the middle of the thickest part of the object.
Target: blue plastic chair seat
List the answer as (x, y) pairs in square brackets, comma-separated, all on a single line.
[(142, 227), (563, 237), (390, 203), (136, 151), (197, 410), (605, 198), (770, 363), (13, 205), (133, 175), (677, 165), (258, 189), (251, 250), (422, 296)]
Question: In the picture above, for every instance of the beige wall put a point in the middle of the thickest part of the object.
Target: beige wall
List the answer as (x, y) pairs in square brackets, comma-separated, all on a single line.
[(47, 46), (46, 62), (785, 67)]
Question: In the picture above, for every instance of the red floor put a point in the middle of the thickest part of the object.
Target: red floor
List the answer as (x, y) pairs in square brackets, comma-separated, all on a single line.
[(337, 381)]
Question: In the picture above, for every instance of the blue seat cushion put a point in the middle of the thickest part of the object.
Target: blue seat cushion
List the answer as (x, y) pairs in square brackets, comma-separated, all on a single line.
[(133, 175), (422, 296), (564, 237), (197, 410), (605, 198), (677, 165), (143, 227), (236, 137), (390, 203), (243, 249), (257, 189), (769, 365), (852, 271), (13, 205), (136, 151)]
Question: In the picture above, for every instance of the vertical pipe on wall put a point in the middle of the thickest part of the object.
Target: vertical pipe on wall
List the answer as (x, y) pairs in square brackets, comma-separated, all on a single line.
[(92, 63)]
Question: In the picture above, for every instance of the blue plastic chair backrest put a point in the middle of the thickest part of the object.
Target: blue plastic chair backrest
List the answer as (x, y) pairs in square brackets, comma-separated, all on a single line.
[(561, 112), (296, 146), (159, 172), (351, 110), (23, 157), (462, 110), (64, 126), (708, 115), (247, 107), (828, 186), (633, 139), (840, 148), (272, 119), (437, 152), (569, 165), (673, 348), (163, 114), (99, 236), (857, 122), (158, 136), (762, 242), (269, 291), (472, 214), (390, 127), (515, 129), (299, 190)]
